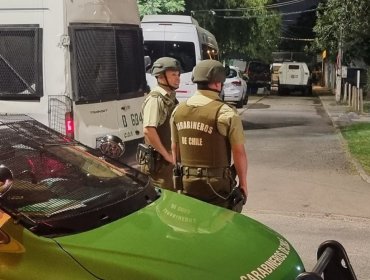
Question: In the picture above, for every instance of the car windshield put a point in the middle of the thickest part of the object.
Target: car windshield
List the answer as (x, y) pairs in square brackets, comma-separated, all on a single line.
[(258, 67), (59, 187)]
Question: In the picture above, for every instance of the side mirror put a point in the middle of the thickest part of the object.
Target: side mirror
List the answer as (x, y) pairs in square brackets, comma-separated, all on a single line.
[(6, 179), (112, 146)]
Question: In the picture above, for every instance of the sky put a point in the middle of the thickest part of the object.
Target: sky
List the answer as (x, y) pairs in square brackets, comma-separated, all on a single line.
[(295, 6)]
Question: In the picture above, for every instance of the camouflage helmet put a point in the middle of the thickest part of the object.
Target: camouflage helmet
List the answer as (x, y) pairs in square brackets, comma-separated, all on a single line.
[(209, 71), (163, 64)]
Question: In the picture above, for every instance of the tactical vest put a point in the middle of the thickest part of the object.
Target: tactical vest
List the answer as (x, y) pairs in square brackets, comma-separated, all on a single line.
[(164, 130), (200, 143)]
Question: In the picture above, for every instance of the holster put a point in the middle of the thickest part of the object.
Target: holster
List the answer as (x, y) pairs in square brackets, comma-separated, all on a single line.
[(177, 177), (237, 199), (147, 155)]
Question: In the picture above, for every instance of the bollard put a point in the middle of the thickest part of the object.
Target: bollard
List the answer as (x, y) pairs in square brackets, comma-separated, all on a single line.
[(349, 95)]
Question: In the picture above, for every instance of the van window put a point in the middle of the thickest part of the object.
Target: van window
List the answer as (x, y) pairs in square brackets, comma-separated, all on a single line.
[(293, 67), (20, 62), (184, 52), (107, 62)]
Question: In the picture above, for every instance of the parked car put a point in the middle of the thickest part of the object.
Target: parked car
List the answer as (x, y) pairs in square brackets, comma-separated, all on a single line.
[(235, 87), (70, 212), (259, 76)]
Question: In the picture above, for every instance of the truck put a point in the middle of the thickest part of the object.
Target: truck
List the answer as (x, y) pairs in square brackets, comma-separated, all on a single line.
[(294, 76), (76, 66), (258, 76), (182, 38)]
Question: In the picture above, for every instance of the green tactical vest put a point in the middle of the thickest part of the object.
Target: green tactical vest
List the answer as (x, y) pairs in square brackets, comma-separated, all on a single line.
[(200, 143), (164, 130)]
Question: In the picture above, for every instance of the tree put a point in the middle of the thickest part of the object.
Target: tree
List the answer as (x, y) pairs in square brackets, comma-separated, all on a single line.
[(346, 22), (152, 7), (244, 28)]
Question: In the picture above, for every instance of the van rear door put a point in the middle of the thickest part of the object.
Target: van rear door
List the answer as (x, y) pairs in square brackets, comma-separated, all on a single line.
[(108, 81), (294, 74)]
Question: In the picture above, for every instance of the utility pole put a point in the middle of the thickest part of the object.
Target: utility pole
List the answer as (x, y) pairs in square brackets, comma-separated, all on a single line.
[(339, 67)]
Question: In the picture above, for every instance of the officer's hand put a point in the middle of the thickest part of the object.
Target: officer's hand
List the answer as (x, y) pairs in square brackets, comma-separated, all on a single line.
[(169, 158)]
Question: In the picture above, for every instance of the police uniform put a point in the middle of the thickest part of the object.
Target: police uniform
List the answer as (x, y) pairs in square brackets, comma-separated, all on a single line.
[(157, 109), (204, 128)]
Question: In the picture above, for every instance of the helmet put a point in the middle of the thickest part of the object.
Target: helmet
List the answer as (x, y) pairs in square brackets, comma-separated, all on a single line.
[(165, 63), (208, 71)]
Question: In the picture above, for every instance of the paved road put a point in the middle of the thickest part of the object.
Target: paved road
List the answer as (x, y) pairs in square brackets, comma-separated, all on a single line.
[(301, 180)]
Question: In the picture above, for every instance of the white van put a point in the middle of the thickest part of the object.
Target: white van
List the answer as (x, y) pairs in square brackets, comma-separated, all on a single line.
[(74, 65), (179, 37), (294, 76)]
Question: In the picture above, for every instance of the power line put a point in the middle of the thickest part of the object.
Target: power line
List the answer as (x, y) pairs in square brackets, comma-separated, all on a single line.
[(278, 5), (268, 15), (297, 39), (271, 6)]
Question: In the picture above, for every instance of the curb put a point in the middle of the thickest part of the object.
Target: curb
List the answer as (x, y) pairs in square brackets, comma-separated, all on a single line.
[(343, 141)]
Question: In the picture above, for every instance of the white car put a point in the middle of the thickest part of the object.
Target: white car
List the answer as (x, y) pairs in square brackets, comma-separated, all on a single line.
[(235, 88)]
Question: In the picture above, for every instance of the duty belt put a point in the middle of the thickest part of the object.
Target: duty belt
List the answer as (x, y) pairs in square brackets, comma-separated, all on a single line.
[(206, 172)]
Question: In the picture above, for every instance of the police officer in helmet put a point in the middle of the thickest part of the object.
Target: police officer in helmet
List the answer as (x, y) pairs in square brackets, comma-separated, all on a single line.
[(207, 135), (157, 109)]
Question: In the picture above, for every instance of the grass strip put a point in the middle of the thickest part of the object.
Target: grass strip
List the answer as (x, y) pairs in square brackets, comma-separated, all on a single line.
[(358, 139)]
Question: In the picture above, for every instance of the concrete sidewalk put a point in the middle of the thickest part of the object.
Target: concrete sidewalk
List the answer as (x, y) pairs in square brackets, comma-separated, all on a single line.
[(341, 115)]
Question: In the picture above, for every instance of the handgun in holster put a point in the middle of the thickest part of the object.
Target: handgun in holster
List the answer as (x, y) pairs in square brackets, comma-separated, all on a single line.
[(237, 197), (147, 155), (177, 177)]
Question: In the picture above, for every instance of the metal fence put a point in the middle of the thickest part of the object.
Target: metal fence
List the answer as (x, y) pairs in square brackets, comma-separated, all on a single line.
[(59, 106)]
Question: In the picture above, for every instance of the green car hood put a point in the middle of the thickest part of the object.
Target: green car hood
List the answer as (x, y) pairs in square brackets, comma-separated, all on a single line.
[(177, 237)]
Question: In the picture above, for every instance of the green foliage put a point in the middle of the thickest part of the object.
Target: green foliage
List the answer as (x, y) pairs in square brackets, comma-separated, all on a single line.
[(152, 7), (252, 32), (344, 20)]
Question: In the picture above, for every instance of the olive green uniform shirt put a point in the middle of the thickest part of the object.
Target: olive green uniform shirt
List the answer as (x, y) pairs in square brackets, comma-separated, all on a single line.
[(157, 114), (154, 110)]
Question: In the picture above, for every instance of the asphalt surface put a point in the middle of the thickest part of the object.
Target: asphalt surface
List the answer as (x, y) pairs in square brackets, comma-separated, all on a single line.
[(303, 183), (340, 115)]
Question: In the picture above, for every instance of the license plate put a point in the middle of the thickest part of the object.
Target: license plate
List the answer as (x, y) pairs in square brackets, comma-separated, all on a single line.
[(133, 119), (294, 76)]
